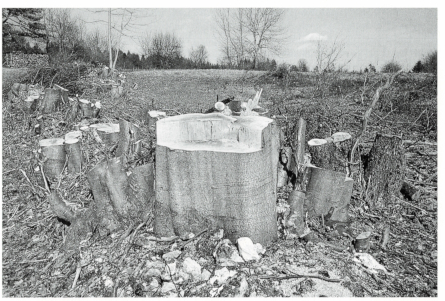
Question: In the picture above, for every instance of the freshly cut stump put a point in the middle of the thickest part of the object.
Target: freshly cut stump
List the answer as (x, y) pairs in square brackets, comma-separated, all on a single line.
[(53, 155), (152, 117), (332, 152), (129, 139), (327, 189), (108, 132), (216, 171)]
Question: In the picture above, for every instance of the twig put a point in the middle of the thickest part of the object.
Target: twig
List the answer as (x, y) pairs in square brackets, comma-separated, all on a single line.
[(412, 205), (284, 277), (78, 269), (27, 179), (44, 178), (368, 112)]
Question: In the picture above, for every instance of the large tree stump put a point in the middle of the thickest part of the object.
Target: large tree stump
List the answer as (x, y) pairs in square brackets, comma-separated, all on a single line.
[(215, 171), (327, 189), (384, 168)]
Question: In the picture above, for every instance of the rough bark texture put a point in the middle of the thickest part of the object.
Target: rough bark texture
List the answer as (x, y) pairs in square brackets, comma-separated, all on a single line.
[(208, 180), (121, 200), (326, 189), (74, 153), (332, 155), (52, 100), (295, 219), (384, 169), (129, 134), (86, 108)]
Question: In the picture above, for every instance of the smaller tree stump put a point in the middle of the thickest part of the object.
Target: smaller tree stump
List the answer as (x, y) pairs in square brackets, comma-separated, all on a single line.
[(74, 153), (53, 155), (128, 135), (332, 154), (384, 169), (152, 117), (52, 101), (327, 189)]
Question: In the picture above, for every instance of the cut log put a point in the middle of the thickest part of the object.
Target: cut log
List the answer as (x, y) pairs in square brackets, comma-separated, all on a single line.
[(53, 155), (73, 135), (86, 108), (384, 169), (63, 93), (333, 154), (152, 117), (362, 243), (52, 101), (74, 153), (217, 171), (326, 189), (108, 132), (141, 191), (128, 135)]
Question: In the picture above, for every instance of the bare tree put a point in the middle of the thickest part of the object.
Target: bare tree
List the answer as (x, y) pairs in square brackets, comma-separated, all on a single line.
[(122, 22), (199, 55), (249, 33), (162, 47), (328, 55), (302, 65)]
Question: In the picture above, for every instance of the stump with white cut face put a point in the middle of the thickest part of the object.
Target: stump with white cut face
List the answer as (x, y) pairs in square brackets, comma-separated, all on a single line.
[(216, 171)]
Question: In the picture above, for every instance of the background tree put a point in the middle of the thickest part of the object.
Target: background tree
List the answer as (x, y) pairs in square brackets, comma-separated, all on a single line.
[(163, 48), (371, 68), (418, 67), (21, 23), (430, 62), (391, 67), (328, 56), (249, 32), (302, 65), (199, 56)]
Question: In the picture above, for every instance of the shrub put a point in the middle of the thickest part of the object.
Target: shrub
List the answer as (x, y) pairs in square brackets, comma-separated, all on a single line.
[(430, 62), (282, 71), (418, 67), (302, 66), (391, 67)]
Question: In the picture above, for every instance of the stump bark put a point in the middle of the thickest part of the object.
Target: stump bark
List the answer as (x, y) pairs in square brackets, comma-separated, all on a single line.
[(333, 154), (384, 169), (121, 200), (52, 100), (129, 139), (327, 189), (53, 155), (215, 171)]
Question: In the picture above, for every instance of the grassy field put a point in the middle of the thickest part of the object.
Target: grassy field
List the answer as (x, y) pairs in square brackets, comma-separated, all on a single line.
[(35, 263)]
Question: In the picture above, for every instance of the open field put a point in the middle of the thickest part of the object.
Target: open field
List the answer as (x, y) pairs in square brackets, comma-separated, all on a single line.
[(36, 264)]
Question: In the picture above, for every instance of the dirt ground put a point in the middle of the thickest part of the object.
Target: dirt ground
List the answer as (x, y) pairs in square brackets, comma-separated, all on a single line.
[(37, 264)]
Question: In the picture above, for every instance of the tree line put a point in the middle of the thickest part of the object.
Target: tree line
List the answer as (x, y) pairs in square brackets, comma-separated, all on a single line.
[(247, 38)]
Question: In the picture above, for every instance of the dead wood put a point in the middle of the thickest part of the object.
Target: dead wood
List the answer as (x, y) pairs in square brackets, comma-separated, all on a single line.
[(384, 169), (52, 101), (295, 220), (368, 112)]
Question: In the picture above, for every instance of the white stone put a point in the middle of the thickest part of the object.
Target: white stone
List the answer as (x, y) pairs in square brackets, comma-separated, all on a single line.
[(168, 287), (246, 249), (205, 275), (171, 255), (192, 268), (222, 275)]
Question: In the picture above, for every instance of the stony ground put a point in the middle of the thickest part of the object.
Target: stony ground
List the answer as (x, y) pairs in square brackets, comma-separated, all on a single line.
[(135, 263)]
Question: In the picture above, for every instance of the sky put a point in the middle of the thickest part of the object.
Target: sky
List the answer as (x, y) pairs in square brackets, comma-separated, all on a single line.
[(369, 35)]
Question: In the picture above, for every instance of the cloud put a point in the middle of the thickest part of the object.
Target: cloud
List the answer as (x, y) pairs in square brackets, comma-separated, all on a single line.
[(314, 37)]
